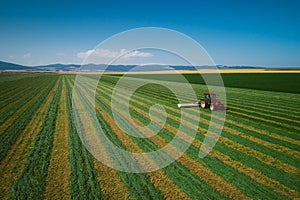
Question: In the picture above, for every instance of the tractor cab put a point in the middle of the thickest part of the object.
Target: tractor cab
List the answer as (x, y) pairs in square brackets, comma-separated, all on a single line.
[(210, 96), (210, 101)]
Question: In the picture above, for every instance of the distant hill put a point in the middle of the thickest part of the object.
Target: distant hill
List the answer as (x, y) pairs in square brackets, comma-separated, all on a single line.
[(11, 66), (101, 67)]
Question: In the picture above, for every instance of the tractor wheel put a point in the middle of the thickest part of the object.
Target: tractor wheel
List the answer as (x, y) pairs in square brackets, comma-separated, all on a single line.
[(202, 103), (212, 107)]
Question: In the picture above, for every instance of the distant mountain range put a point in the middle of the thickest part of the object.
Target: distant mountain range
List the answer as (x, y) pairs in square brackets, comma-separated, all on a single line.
[(5, 66)]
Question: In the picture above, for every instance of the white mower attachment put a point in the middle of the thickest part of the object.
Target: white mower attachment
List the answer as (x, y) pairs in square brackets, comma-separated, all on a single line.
[(188, 105)]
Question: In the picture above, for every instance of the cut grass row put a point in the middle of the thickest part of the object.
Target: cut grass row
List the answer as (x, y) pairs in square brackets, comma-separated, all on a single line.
[(83, 182), (201, 171), (243, 161), (12, 165), (262, 96), (12, 109), (101, 94), (9, 136), (237, 120), (286, 112), (15, 108), (58, 170), (139, 185), (32, 182), (116, 190)]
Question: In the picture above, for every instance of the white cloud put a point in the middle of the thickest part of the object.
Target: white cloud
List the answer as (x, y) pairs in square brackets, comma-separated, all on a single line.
[(27, 55), (105, 53)]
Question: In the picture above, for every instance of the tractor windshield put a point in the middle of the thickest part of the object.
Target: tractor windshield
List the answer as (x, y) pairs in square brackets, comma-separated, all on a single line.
[(212, 96)]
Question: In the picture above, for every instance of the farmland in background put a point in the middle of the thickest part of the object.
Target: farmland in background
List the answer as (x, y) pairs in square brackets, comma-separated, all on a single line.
[(256, 157)]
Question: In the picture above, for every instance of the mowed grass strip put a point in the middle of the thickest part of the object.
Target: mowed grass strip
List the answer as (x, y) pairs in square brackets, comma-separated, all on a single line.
[(110, 182), (269, 117), (198, 169), (12, 165), (139, 185), (59, 170), (9, 136), (275, 185), (280, 142), (182, 175), (8, 117), (282, 174), (15, 96), (273, 143), (158, 178), (229, 191), (83, 182), (7, 89), (143, 100), (32, 182), (259, 119), (265, 108)]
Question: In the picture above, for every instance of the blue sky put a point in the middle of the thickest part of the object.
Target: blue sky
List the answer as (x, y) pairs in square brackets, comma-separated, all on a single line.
[(265, 33)]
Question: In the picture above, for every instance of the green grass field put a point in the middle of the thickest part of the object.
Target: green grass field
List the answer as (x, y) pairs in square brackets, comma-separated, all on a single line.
[(256, 157)]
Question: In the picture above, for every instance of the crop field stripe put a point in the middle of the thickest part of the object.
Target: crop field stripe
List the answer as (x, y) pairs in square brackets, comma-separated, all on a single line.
[(258, 119), (12, 165), (276, 154), (284, 113), (204, 173), (228, 116), (265, 129), (10, 135), (276, 186), (159, 178), (8, 88), (253, 174), (58, 170), (166, 97), (32, 182), (260, 131), (12, 106), (234, 134), (259, 136), (8, 117), (83, 182), (269, 135), (192, 181), (12, 77), (15, 90), (15, 96), (275, 96), (255, 118), (110, 182), (279, 120), (139, 185), (167, 187), (268, 139)]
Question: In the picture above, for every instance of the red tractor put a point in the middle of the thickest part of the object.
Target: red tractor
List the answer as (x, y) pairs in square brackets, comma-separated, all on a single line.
[(210, 101)]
